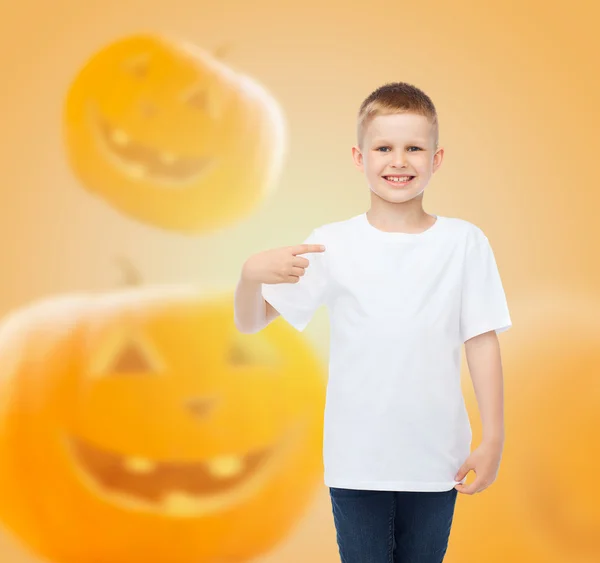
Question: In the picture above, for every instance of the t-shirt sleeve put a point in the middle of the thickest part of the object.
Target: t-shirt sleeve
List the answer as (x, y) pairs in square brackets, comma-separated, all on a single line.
[(296, 302), (483, 301)]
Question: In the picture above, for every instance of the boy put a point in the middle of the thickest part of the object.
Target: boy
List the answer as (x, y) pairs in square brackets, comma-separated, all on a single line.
[(405, 290)]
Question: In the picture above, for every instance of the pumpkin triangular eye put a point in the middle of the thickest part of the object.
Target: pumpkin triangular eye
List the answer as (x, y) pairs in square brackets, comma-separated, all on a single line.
[(137, 66), (206, 98), (247, 350), (238, 356), (197, 98), (131, 358), (124, 352)]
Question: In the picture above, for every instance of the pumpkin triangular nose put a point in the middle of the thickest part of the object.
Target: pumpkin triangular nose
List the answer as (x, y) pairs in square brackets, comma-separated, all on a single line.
[(200, 406)]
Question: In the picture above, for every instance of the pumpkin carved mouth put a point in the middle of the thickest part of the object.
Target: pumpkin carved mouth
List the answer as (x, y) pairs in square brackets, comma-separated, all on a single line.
[(141, 161), (178, 488)]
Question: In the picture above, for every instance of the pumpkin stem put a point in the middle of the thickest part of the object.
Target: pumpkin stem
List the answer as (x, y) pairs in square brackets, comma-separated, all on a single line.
[(131, 275)]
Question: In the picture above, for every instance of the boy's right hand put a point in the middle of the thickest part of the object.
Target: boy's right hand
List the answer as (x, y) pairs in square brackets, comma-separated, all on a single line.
[(279, 265)]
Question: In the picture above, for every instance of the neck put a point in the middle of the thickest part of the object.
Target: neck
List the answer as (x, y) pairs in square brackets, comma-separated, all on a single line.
[(400, 217)]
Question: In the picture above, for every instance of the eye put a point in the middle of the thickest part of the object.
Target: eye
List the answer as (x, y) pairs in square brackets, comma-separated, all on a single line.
[(196, 98), (125, 355), (132, 359), (137, 66), (252, 350), (413, 147)]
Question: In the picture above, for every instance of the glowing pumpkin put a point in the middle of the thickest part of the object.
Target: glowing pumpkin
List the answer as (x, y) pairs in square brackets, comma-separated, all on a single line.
[(543, 507), (171, 136), (141, 423)]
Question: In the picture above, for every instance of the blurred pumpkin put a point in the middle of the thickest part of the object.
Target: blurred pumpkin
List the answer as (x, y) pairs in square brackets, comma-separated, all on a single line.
[(141, 423), (171, 136), (543, 506)]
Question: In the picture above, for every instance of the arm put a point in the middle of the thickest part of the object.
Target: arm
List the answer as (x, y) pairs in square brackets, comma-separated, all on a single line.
[(251, 312), (485, 368), (483, 357)]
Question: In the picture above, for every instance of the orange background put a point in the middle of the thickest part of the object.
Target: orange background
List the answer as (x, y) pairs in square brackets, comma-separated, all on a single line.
[(516, 90)]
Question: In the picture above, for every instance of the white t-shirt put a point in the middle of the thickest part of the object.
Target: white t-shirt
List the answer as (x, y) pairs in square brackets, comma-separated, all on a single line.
[(401, 305)]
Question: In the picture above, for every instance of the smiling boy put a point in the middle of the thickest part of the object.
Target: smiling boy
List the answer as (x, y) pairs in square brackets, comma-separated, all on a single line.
[(405, 290)]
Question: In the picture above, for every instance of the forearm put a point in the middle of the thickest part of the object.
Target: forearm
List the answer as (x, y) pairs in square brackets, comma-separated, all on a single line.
[(249, 306), (485, 368)]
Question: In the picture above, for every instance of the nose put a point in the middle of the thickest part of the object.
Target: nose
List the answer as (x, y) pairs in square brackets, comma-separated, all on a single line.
[(200, 406), (399, 159)]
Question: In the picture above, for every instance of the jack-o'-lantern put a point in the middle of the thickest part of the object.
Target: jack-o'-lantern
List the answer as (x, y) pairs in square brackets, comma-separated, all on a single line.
[(543, 506), (142, 424), (171, 136)]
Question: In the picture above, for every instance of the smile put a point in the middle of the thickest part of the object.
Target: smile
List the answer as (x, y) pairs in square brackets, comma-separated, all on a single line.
[(178, 488), (141, 161), (397, 183)]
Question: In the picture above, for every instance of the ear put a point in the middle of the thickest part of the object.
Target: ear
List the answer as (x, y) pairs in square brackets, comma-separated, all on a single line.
[(437, 159), (357, 157)]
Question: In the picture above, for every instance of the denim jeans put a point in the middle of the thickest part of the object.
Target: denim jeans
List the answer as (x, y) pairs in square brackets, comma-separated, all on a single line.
[(392, 526)]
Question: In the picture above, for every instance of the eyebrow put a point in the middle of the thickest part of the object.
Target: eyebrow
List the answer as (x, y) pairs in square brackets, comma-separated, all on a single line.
[(418, 141)]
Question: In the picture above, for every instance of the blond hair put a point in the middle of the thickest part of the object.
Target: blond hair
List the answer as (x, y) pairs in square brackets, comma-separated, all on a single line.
[(396, 97)]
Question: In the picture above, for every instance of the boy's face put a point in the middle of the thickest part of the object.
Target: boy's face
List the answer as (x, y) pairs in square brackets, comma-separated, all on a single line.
[(398, 145)]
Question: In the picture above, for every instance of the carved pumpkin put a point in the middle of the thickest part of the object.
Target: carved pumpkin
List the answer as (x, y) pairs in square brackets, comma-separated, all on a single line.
[(171, 136), (141, 423), (543, 506)]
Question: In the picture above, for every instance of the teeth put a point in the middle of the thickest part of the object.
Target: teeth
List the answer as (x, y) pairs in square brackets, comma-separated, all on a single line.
[(119, 137), (225, 466), (179, 502), (139, 465), (222, 467), (402, 179)]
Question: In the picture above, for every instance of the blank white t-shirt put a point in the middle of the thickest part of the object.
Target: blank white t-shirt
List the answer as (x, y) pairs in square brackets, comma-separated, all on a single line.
[(401, 305)]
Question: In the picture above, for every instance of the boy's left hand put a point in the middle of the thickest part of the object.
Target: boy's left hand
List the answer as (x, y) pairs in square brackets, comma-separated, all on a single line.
[(485, 461)]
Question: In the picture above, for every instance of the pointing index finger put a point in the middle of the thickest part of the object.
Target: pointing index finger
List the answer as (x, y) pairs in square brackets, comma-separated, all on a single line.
[(305, 248)]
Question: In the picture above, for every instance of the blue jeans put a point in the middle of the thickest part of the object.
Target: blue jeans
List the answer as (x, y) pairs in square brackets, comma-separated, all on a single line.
[(392, 526)]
